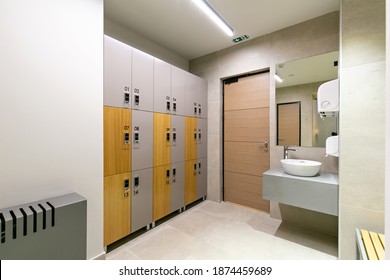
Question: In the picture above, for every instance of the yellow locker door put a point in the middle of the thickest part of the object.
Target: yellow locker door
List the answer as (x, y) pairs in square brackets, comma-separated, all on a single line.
[(191, 138), (190, 193), (117, 140), (161, 191), (162, 139), (117, 200)]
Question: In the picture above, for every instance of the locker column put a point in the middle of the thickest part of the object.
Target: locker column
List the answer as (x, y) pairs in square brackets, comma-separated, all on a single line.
[(117, 144)]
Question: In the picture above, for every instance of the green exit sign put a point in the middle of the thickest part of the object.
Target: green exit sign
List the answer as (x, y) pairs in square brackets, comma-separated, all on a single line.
[(240, 39)]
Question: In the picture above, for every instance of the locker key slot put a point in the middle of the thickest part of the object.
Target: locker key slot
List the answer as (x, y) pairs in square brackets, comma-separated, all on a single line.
[(127, 138), (174, 137), (168, 106), (127, 98), (168, 136), (174, 106), (173, 175), (199, 110), (167, 176), (136, 185), (195, 136), (136, 100), (199, 168), (200, 136), (195, 110), (126, 185), (136, 138), (194, 169)]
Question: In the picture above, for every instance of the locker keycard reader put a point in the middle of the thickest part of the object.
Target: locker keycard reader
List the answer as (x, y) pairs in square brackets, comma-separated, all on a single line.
[(174, 106), (127, 98), (136, 101), (127, 138), (173, 175), (136, 138), (136, 185)]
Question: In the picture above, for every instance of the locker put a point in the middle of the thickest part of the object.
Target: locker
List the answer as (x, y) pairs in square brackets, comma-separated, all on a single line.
[(142, 140), (117, 145), (191, 95), (162, 139), (201, 179), (162, 87), (178, 92), (117, 73), (191, 138), (201, 97), (141, 199), (117, 205), (202, 138), (190, 193), (177, 185), (178, 124), (161, 191), (142, 81)]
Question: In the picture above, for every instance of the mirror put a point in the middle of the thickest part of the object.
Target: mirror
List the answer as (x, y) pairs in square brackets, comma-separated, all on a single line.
[(298, 121)]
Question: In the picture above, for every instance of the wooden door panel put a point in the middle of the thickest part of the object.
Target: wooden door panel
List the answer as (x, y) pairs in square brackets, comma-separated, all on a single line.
[(289, 124), (249, 92), (247, 125), (246, 158), (191, 138), (162, 139), (117, 151), (245, 190), (117, 205), (161, 192)]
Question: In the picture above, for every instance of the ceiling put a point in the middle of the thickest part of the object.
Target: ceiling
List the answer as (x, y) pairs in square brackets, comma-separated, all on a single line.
[(180, 26)]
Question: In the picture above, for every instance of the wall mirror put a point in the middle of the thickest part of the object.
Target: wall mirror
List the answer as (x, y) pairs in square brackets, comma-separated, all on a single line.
[(297, 119)]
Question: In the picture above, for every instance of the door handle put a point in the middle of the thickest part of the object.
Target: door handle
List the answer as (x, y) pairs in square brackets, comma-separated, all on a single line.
[(265, 143)]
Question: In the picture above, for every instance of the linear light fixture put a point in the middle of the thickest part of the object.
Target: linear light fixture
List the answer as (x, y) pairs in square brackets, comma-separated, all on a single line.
[(208, 10), (277, 78)]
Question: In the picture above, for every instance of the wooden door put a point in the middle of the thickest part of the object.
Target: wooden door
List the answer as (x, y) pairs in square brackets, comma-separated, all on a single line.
[(117, 200), (117, 140), (191, 138), (190, 192), (246, 138), (288, 126), (161, 191), (162, 139)]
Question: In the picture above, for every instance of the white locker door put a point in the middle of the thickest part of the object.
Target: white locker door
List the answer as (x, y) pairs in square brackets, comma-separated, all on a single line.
[(191, 99), (117, 73), (177, 185), (178, 92), (162, 87), (202, 138), (142, 137), (178, 130), (142, 81), (141, 199), (201, 179)]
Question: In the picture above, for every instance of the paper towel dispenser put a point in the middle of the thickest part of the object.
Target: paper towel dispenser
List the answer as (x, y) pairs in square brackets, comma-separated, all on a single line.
[(328, 99)]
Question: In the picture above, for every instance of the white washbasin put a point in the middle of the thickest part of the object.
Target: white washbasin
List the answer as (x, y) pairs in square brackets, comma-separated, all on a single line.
[(301, 167)]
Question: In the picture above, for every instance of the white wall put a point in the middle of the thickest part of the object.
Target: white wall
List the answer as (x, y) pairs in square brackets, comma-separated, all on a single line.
[(387, 179), (114, 30), (51, 101)]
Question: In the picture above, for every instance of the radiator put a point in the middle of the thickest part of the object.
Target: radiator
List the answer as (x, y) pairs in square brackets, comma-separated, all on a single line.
[(50, 229)]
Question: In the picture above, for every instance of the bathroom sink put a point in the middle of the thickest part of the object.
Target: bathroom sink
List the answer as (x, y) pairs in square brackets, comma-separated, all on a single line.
[(301, 167)]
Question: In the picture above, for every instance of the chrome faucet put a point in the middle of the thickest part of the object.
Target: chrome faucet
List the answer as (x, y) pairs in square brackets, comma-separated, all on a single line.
[(286, 149)]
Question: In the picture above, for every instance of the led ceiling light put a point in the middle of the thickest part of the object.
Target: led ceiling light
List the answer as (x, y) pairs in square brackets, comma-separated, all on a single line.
[(277, 78), (207, 9)]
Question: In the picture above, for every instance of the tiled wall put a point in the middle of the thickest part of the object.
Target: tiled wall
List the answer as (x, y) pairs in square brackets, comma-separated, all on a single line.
[(362, 125), (313, 37)]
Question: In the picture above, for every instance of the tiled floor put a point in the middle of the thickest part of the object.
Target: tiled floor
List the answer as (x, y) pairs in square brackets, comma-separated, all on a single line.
[(212, 230)]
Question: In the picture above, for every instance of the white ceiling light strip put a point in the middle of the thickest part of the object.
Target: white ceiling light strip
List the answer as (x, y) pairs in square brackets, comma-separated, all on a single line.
[(207, 9)]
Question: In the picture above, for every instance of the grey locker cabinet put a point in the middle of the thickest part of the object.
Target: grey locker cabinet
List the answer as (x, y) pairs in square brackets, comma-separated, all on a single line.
[(142, 140), (177, 185), (117, 73), (142, 81), (178, 92), (202, 138), (178, 130), (191, 98), (162, 87), (201, 179), (202, 97), (141, 199)]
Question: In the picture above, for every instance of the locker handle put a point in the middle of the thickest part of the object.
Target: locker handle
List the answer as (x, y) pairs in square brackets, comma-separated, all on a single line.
[(167, 176), (168, 136), (126, 185), (194, 168), (173, 175), (168, 106), (127, 98), (174, 106), (126, 137), (195, 136), (174, 137)]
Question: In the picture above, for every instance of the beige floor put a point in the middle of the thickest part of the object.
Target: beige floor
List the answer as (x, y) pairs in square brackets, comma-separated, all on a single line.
[(212, 230)]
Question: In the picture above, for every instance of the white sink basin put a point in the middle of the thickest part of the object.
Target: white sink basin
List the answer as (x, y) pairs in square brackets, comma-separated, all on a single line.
[(301, 167)]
